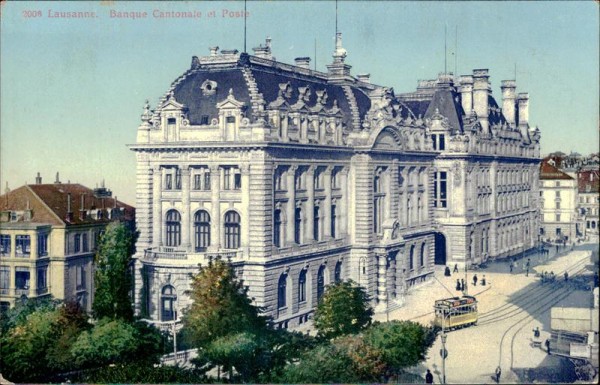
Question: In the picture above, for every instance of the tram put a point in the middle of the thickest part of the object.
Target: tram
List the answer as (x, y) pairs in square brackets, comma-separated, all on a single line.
[(455, 312)]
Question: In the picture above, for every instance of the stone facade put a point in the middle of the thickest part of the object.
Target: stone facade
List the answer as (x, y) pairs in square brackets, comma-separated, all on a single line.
[(301, 178)]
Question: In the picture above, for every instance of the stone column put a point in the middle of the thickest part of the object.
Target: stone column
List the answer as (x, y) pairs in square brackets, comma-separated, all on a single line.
[(185, 201), (291, 204), (215, 216), (343, 209), (393, 198), (157, 178), (245, 169), (382, 262), (405, 196), (327, 208), (310, 203)]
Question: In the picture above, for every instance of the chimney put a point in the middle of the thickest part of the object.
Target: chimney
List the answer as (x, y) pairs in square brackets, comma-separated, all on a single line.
[(214, 51), (115, 202), (57, 181), (508, 100), (264, 52), (338, 70), (365, 78), (82, 212), (38, 179), (303, 62), (466, 93), (481, 91), (69, 217), (523, 102)]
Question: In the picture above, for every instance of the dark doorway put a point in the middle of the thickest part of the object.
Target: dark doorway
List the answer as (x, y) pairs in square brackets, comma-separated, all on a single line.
[(440, 249)]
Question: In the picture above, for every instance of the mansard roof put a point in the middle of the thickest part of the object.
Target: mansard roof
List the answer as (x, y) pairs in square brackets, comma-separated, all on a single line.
[(254, 81), (49, 203), (446, 103), (588, 181)]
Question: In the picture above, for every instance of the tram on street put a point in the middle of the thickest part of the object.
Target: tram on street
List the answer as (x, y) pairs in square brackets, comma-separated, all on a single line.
[(456, 312)]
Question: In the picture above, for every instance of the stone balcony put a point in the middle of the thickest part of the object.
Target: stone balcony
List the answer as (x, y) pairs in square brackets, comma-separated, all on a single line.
[(176, 256)]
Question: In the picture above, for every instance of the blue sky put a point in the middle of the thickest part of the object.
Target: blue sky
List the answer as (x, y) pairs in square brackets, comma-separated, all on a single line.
[(72, 90)]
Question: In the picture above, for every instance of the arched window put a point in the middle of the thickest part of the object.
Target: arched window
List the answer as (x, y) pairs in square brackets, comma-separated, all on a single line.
[(412, 257), (302, 286), (316, 221), (422, 255), (173, 228), (277, 228), (282, 291), (232, 230), (320, 282), (202, 230), (168, 299), (338, 271), (298, 225)]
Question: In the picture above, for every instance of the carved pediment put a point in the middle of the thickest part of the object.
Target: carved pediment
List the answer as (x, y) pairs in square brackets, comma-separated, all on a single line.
[(230, 103)]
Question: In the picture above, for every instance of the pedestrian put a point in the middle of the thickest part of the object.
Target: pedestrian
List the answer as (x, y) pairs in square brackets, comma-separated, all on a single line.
[(527, 272), (596, 279), (455, 268), (498, 373), (511, 267), (536, 332), (475, 280), (566, 276), (548, 346), (483, 280), (429, 377), (447, 272), (528, 262), (458, 285), (462, 284), (557, 248)]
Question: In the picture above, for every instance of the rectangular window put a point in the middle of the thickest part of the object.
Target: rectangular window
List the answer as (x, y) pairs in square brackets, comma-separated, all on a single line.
[(178, 179), (42, 245), (22, 245), (204, 120), (226, 178), (84, 243), (557, 193), (557, 217), (334, 180), (557, 205), (77, 243), (4, 245), (434, 140), (207, 180), (557, 184), (439, 190), (237, 181), (558, 231), (197, 182), (22, 278), (168, 182), (442, 143), (4, 279), (80, 277), (42, 278)]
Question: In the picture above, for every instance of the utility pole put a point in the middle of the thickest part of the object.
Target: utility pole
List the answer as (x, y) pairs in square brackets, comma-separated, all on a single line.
[(443, 336)]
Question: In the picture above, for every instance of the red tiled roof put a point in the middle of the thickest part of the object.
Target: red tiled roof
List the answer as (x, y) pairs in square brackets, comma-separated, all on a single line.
[(588, 181), (548, 171), (49, 203)]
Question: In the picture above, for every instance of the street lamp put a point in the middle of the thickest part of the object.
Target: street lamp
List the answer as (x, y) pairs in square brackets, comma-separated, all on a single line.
[(444, 353)]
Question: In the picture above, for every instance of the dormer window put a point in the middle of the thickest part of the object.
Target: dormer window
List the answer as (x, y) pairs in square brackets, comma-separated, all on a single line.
[(209, 87), (204, 120)]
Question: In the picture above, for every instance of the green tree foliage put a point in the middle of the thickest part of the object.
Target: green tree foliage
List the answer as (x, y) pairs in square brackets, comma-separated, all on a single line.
[(116, 341), (113, 277), (344, 309), (402, 343), (135, 373), (220, 306), (37, 346), (18, 314)]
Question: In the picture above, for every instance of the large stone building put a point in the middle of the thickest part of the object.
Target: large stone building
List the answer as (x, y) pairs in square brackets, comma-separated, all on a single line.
[(301, 178), (48, 235), (588, 186)]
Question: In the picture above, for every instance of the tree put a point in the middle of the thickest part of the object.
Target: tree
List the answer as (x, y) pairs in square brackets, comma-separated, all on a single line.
[(220, 306), (117, 341), (344, 309), (113, 277), (402, 343)]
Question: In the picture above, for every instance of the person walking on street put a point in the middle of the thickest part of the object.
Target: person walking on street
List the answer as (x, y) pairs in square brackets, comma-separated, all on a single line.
[(511, 266), (548, 346), (458, 285), (483, 280), (429, 377), (455, 268), (447, 271), (566, 276), (475, 280), (462, 284), (498, 374)]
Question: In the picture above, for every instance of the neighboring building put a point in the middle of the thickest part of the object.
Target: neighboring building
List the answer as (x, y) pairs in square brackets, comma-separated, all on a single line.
[(560, 219), (48, 235), (301, 178), (588, 182)]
